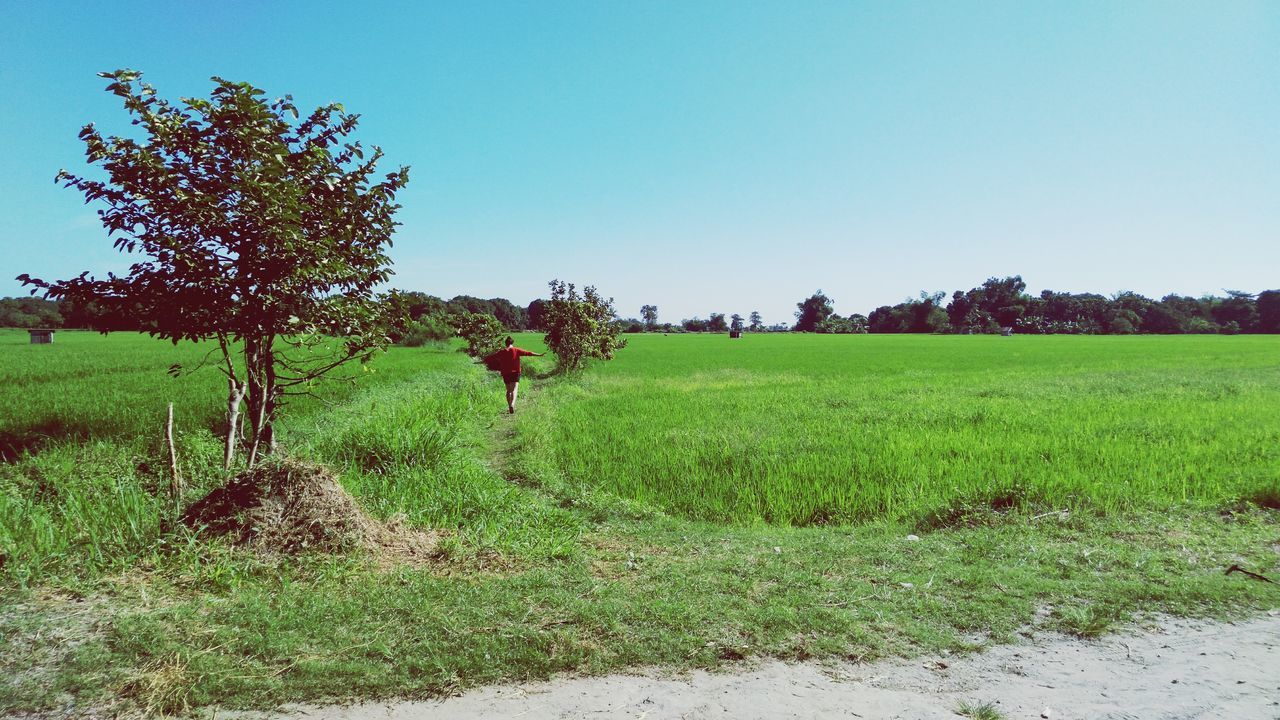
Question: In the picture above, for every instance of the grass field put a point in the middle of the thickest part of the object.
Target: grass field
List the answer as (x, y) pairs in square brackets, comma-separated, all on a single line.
[(694, 502), (831, 429)]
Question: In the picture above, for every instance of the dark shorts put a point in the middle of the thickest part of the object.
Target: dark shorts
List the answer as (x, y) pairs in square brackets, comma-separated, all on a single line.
[(510, 378)]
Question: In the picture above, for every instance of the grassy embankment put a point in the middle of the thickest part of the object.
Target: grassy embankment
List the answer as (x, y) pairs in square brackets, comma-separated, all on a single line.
[(630, 525)]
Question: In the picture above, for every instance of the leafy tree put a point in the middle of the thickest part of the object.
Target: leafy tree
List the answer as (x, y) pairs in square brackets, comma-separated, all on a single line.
[(483, 333), (1171, 315), (717, 323), (261, 231), (415, 305), (535, 314), (736, 324), (858, 324), (812, 310), (924, 315), (999, 302), (1127, 311), (1005, 299), (694, 324), (1122, 321), (1239, 308), (1268, 309), (649, 313), (885, 319), (580, 327), (835, 325), (757, 322)]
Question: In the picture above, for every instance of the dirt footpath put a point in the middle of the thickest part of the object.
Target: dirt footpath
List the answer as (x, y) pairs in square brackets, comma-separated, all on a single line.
[(1169, 669)]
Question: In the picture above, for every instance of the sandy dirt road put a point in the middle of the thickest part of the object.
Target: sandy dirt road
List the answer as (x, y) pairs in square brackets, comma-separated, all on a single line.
[(1167, 669)]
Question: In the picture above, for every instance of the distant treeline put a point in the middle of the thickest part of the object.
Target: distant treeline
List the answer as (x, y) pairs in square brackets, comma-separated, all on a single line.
[(1003, 303), (29, 312), (33, 312), (996, 305)]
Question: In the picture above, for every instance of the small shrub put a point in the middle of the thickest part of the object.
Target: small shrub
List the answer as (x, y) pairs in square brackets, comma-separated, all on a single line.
[(1087, 621), (979, 711)]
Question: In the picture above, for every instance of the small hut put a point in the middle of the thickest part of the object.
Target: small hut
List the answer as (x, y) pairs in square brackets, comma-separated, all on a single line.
[(735, 334), (41, 336)]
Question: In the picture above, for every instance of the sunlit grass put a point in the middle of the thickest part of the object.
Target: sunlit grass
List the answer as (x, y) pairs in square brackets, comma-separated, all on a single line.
[(567, 544), (831, 429), (84, 486)]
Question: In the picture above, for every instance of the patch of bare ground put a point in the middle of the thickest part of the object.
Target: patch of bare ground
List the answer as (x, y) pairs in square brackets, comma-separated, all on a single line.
[(41, 636), (1166, 668)]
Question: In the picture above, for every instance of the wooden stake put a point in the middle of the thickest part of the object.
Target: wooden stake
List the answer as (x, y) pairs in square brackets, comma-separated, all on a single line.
[(175, 479)]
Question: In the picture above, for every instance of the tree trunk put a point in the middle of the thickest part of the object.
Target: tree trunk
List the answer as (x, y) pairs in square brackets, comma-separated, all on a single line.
[(260, 359), (235, 394)]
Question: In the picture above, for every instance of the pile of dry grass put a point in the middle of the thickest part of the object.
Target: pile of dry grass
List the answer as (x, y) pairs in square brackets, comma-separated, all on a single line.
[(289, 506)]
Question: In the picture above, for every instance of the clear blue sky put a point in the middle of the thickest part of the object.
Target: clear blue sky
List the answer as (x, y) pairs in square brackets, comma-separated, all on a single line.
[(719, 157)]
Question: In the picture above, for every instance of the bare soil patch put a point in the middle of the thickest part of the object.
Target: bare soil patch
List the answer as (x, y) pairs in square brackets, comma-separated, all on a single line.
[(1168, 668)]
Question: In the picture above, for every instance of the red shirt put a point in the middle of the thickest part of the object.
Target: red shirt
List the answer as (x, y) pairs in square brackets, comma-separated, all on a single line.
[(509, 359)]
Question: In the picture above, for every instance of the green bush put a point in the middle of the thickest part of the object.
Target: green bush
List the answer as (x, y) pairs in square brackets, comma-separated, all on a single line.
[(427, 329)]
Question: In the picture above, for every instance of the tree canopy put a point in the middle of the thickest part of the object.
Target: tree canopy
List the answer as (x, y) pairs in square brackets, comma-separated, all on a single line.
[(580, 326), (257, 227), (812, 311)]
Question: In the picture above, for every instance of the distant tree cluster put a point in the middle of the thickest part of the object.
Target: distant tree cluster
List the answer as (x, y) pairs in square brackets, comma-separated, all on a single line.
[(30, 312), (579, 325), (817, 314), (717, 323), (437, 315), (996, 304), (428, 318), (1001, 304)]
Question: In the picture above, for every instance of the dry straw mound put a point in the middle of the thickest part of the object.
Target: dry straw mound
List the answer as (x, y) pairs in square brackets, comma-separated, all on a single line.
[(289, 506)]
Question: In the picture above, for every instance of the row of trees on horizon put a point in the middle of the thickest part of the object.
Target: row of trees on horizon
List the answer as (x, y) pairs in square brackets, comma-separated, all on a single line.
[(997, 304), (1001, 304)]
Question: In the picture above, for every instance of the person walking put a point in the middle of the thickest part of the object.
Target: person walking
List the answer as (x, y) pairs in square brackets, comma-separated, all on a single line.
[(508, 362)]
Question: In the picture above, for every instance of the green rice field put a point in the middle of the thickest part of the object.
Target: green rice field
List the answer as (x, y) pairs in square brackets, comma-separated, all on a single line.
[(696, 501), (832, 429), (772, 428)]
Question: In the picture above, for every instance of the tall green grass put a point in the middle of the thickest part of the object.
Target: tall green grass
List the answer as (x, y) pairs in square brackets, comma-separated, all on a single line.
[(84, 476), (559, 559), (797, 430), (830, 429)]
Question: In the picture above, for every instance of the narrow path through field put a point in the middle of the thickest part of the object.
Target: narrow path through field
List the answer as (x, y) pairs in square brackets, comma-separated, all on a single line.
[(502, 435), (1169, 669)]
